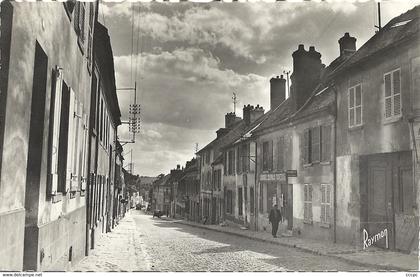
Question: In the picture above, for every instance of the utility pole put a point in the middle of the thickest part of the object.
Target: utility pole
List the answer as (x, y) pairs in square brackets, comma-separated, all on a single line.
[(234, 102), (287, 72), (379, 18)]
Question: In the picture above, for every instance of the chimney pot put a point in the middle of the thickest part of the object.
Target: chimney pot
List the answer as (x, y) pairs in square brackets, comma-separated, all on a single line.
[(301, 47), (312, 48)]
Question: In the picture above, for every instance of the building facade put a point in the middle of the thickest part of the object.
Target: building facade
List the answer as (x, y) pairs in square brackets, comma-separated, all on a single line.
[(45, 99), (378, 136)]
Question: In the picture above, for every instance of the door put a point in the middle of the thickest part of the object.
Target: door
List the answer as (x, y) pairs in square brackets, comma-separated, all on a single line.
[(290, 207), (380, 204), (213, 210)]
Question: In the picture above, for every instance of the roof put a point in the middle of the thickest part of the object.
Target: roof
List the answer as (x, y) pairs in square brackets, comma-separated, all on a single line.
[(105, 60), (162, 181), (281, 112), (400, 28)]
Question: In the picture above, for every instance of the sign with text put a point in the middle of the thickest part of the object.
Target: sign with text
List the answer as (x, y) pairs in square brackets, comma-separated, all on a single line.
[(280, 177), (291, 173)]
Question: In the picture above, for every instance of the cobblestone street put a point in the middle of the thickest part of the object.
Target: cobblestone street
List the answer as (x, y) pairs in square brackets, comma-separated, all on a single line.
[(141, 243)]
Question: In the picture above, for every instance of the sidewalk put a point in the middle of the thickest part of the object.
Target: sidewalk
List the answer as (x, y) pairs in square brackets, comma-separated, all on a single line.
[(378, 258), (119, 250)]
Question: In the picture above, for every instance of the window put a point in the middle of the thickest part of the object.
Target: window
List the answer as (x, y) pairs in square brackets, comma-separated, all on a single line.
[(239, 160), (392, 94), (240, 201), (280, 154), (268, 156), (231, 167), (355, 106), (217, 179), (261, 204), (69, 6), (79, 22), (225, 163), (307, 211), (306, 149), (325, 203), (326, 143), (251, 199), (208, 157), (101, 122), (316, 145), (245, 157)]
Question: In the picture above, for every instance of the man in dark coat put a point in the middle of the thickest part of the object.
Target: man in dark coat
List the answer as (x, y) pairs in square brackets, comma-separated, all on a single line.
[(274, 218)]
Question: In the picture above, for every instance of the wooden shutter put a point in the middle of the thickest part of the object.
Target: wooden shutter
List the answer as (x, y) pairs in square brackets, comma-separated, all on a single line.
[(72, 134), (396, 84), (82, 22), (315, 144), (326, 143), (270, 156), (305, 147), (55, 122), (239, 160), (80, 146), (84, 151), (388, 96)]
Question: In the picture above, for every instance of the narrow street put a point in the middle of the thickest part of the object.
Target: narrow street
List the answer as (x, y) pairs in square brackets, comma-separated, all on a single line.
[(163, 245)]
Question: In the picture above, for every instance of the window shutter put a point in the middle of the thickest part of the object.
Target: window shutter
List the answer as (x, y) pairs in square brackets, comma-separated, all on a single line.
[(326, 143), (84, 151), (82, 22), (388, 96), (55, 121), (358, 102), (306, 146), (397, 92), (72, 134), (270, 156), (80, 146), (351, 107), (239, 160), (315, 139)]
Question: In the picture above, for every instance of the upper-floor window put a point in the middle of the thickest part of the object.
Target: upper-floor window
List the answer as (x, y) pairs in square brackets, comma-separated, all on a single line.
[(392, 82), (245, 152), (208, 157), (355, 106), (316, 144), (79, 22), (231, 162), (267, 156)]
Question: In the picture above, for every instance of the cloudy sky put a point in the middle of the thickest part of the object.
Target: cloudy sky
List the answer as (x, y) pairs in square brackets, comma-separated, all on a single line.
[(189, 58)]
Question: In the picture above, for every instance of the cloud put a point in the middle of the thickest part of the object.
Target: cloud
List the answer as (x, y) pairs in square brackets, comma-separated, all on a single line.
[(187, 88)]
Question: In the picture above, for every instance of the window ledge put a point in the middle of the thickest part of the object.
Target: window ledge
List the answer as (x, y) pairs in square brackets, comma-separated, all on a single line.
[(392, 120), (307, 165), (356, 128), (57, 197), (325, 225)]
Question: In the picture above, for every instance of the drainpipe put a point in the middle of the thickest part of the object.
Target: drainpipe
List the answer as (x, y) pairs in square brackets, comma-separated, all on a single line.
[(256, 188), (335, 160)]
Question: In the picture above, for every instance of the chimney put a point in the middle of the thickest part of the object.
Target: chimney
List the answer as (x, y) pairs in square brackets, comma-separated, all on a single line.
[(306, 74), (251, 114), (221, 132), (178, 167), (347, 45), (277, 91), (231, 119)]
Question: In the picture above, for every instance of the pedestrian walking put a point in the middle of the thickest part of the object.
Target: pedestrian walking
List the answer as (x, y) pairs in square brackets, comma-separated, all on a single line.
[(274, 218)]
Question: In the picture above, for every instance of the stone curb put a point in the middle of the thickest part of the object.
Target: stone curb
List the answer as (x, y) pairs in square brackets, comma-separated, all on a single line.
[(304, 249)]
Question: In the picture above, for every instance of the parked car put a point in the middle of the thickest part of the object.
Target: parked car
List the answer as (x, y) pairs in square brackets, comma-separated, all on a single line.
[(157, 213)]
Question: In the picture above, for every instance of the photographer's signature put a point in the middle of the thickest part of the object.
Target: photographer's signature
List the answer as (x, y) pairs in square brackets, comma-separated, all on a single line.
[(368, 241)]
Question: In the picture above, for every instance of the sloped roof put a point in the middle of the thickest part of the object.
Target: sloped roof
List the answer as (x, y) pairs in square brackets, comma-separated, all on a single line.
[(404, 26), (282, 112)]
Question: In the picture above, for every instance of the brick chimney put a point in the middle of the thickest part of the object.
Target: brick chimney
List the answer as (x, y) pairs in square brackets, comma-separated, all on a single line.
[(251, 114), (277, 91), (221, 132), (347, 45), (306, 74), (231, 119)]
